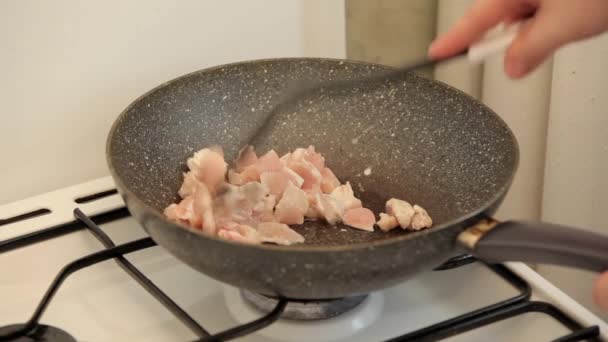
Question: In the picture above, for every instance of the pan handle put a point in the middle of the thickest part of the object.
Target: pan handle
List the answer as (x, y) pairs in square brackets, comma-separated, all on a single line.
[(494, 242)]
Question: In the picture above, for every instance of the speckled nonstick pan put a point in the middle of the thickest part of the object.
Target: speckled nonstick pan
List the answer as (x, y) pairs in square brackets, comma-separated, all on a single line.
[(424, 142)]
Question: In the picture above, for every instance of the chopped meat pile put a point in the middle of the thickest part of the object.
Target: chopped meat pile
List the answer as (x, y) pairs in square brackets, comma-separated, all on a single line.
[(257, 200), (400, 213)]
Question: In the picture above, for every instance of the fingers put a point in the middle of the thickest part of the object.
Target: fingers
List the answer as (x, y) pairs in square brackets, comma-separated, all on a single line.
[(600, 291), (482, 16), (536, 41), (553, 26)]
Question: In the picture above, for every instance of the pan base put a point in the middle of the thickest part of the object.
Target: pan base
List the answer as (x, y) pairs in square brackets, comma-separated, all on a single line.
[(304, 310), (342, 327), (40, 333)]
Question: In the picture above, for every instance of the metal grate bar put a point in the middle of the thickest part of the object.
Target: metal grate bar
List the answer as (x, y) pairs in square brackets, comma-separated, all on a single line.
[(250, 327), (70, 268), (144, 281)]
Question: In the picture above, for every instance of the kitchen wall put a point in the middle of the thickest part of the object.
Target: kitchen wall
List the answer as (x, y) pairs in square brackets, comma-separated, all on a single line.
[(69, 67)]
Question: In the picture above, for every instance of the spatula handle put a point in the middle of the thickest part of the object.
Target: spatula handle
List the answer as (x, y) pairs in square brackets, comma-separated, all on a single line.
[(493, 44)]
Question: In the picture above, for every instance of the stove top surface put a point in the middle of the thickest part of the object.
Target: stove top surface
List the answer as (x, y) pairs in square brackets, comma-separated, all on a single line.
[(104, 303)]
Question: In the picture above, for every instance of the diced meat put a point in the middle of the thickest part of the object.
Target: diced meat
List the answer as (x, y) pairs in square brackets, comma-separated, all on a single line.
[(313, 211), (285, 158), (250, 174), (241, 233), (257, 200), (246, 157), (316, 159), (225, 203), (329, 181), (188, 186), (402, 210), (308, 172), (263, 211), (203, 207), (329, 208), (269, 162), (421, 218), (293, 177), (184, 213), (292, 206), (171, 212), (208, 167), (298, 154), (345, 196), (235, 178), (387, 222), (217, 149), (247, 204), (278, 233), (254, 192), (275, 181), (360, 218)]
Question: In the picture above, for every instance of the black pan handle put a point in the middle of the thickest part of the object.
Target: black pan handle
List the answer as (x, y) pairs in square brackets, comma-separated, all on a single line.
[(493, 242)]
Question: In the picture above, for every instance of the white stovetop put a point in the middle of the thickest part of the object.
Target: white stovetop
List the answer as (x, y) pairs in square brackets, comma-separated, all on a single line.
[(102, 303)]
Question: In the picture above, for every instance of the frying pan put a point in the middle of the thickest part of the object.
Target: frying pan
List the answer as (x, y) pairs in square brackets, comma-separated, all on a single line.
[(424, 141)]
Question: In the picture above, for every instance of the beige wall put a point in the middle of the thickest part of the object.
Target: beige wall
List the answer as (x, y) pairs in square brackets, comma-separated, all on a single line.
[(69, 67), (392, 32)]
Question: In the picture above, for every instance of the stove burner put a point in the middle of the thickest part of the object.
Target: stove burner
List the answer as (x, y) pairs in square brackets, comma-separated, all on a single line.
[(304, 310), (41, 333)]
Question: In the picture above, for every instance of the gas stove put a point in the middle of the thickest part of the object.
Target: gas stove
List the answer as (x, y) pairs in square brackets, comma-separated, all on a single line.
[(76, 267)]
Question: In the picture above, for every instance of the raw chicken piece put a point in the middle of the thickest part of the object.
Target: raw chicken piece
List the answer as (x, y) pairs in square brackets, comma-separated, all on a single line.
[(313, 212), (298, 154), (360, 218), (308, 172), (329, 208), (329, 181), (275, 181), (217, 149), (250, 174), (247, 204), (184, 213), (235, 178), (241, 233), (254, 192), (245, 158), (308, 155), (292, 206), (316, 159), (421, 218), (345, 196), (387, 222), (285, 158), (188, 186), (293, 177), (208, 167), (203, 207), (278, 233), (402, 210), (263, 211), (269, 162)]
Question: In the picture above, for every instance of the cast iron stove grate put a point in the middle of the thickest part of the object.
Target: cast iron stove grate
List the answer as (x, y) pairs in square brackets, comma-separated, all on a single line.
[(32, 330)]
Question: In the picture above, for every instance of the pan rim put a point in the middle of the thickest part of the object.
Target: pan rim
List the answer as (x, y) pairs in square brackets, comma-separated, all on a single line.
[(303, 248)]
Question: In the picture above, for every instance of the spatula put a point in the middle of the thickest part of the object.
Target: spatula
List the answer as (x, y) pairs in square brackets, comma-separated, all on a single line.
[(476, 53)]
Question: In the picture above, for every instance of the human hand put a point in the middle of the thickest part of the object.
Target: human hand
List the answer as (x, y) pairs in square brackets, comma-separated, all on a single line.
[(552, 24), (600, 291)]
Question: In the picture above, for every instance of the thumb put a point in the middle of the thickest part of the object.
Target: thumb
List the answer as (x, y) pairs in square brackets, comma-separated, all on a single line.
[(600, 291)]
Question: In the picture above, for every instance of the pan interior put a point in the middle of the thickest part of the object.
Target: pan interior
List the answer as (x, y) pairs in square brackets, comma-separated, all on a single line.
[(424, 142)]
